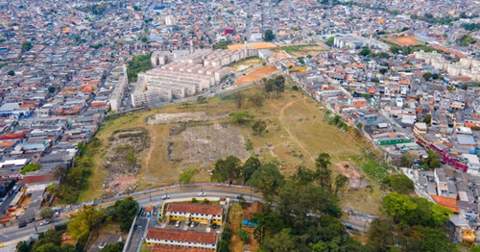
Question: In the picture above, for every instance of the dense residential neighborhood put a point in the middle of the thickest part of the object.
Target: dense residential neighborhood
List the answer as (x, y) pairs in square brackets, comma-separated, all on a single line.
[(402, 75)]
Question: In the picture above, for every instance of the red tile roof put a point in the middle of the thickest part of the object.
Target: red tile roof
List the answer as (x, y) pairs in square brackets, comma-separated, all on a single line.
[(446, 202), (195, 208), (181, 235), (166, 248)]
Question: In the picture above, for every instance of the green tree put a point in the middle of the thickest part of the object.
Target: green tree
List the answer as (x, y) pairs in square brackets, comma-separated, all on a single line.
[(241, 117), (406, 160), (281, 242), (244, 236), (84, 221), (330, 41), (380, 235), (250, 167), (24, 246), (26, 46), (323, 172), (123, 212), (341, 181), (48, 247), (31, 167), (399, 183), (259, 127), (227, 170), (46, 213), (365, 52), (187, 175), (427, 76), (432, 161), (267, 179), (268, 36), (115, 247)]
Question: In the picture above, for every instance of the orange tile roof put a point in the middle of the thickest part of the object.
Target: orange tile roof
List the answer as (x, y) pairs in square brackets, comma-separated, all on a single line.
[(449, 203), (165, 248), (181, 235), (195, 208)]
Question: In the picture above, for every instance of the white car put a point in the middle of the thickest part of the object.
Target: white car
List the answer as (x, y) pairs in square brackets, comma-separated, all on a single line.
[(202, 193), (165, 196)]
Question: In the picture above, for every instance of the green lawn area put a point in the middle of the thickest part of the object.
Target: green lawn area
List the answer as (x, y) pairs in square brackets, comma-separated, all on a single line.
[(296, 134)]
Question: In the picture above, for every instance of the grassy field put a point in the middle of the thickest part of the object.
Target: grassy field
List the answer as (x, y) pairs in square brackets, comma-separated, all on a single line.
[(303, 50), (296, 134)]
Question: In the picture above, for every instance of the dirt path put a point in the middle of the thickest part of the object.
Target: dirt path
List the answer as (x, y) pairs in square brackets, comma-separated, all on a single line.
[(290, 134), (153, 139)]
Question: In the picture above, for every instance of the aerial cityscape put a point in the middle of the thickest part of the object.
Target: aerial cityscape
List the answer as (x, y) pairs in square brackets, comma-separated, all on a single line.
[(240, 125)]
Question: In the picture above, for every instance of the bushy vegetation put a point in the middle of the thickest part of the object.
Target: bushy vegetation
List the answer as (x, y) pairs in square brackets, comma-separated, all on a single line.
[(27, 46), (139, 63), (406, 50), (50, 241), (410, 224), (466, 40), (75, 180), (471, 26), (399, 183), (222, 44), (31, 167), (336, 120)]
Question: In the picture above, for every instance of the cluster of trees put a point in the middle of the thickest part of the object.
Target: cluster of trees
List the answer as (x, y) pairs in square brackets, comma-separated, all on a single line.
[(139, 63), (431, 76), (406, 50), (302, 211), (330, 41), (86, 221), (268, 36), (336, 120), (243, 118), (434, 20), (27, 46), (432, 161), (90, 219), (275, 85), (75, 179), (471, 26), (50, 241), (399, 183), (410, 223), (222, 44)]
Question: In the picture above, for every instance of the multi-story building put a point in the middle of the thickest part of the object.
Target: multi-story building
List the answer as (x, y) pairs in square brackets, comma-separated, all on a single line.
[(166, 238), (194, 212)]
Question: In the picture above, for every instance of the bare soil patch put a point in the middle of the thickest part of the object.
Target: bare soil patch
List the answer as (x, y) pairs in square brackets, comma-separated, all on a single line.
[(204, 144), (121, 160), (356, 180)]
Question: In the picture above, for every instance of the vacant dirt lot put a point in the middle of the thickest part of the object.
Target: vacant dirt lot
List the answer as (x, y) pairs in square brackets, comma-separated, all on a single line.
[(254, 45), (121, 160), (256, 74), (203, 145), (405, 40)]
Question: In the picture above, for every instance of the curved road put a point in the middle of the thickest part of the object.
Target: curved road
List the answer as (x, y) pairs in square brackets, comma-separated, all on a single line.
[(12, 234)]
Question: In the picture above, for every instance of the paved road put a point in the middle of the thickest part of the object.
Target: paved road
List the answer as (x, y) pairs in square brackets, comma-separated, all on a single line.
[(144, 198)]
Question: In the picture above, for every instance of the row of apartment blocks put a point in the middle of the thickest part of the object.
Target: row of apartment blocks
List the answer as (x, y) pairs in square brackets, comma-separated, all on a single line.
[(185, 73), (168, 238), (464, 67)]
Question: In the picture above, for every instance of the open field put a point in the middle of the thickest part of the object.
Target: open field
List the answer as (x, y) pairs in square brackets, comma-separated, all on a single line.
[(296, 134), (253, 45), (256, 74)]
